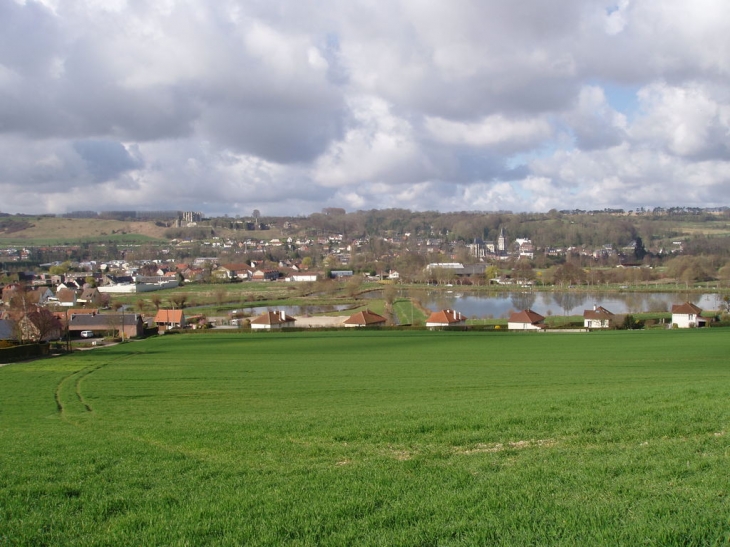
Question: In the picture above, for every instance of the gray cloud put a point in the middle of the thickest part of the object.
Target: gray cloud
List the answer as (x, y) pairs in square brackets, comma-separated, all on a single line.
[(289, 107), (106, 160)]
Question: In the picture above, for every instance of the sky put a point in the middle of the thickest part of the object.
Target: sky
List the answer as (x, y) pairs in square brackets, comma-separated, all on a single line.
[(289, 107)]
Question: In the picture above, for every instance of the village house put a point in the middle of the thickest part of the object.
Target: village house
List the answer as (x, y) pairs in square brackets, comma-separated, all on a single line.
[(34, 323), (128, 324), (597, 318), (90, 297), (265, 275), (687, 316), (365, 318), (445, 318), (39, 295), (272, 320), (526, 320), (66, 297), (170, 319)]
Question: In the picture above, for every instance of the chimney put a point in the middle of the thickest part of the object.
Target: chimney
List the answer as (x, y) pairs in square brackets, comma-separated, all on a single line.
[(282, 314)]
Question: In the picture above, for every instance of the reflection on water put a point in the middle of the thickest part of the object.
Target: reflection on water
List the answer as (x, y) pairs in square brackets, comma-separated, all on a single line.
[(553, 303), (523, 300), (568, 301)]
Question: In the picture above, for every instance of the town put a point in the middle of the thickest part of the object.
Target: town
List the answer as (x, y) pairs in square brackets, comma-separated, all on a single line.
[(110, 288)]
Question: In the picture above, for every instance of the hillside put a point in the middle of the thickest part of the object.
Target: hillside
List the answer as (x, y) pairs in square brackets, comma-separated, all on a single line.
[(39, 230)]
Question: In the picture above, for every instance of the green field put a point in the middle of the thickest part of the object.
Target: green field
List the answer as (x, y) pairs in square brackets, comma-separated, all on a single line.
[(371, 438)]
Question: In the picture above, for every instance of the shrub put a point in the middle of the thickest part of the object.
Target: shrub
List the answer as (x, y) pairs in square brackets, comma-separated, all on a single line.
[(629, 322)]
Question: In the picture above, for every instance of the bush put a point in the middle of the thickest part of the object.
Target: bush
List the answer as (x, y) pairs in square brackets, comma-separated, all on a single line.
[(629, 323)]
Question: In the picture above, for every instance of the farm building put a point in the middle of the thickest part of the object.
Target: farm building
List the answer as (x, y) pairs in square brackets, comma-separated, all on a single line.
[(101, 324)]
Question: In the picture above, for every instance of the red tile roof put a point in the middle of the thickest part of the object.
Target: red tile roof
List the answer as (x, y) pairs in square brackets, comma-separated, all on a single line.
[(169, 316), (599, 312), (446, 317), (686, 308), (365, 318), (272, 318), (526, 316)]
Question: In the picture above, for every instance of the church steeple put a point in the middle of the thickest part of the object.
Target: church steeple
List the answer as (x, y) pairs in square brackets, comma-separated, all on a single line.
[(501, 241)]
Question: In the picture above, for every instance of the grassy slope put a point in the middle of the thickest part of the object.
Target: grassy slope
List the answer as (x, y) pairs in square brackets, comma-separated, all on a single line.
[(365, 438), (50, 230), (57, 231)]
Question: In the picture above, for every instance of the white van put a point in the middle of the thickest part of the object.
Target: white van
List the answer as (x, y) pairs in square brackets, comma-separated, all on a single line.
[(87, 334)]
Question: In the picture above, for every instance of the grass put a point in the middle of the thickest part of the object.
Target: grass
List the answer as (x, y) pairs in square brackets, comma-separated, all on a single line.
[(371, 438), (65, 231), (119, 239)]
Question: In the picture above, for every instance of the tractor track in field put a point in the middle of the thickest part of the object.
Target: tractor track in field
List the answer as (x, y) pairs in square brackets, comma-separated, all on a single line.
[(76, 377)]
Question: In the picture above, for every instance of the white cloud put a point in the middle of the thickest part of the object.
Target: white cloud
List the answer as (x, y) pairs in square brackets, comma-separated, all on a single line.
[(378, 146), (687, 121), (362, 104), (593, 122), (495, 130)]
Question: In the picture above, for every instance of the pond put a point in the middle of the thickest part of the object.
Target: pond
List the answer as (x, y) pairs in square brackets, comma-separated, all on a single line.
[(500, 305)]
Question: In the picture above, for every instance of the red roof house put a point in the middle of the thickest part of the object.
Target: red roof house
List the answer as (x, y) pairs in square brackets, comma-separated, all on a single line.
[(445, 318), (365, 318), (597, 318), (525, 320), (170, 319), (687, 316), (273, 320)]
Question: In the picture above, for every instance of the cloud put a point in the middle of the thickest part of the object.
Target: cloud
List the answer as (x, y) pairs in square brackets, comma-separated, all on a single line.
[(686, 121), (105, 160), (491, 131), (593, 123), (233, 105)]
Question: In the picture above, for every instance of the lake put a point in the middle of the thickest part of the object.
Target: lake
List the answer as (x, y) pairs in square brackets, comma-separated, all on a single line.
[(500, 305)]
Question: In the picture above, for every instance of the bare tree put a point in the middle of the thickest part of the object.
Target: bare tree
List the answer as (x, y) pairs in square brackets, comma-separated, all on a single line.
[(179, 300), (141, 305), (115, 323), (156, 301), (389, 294), (353, 286), (19, 308), (45, 325), (220, 295)]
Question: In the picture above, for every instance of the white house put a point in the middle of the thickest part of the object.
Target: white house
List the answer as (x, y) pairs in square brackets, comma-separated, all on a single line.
[(273, 320), (445, 318), (525, 320), (597, 318), (687, 316)]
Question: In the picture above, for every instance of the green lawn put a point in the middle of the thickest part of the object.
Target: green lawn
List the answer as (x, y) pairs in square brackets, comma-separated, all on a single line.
[(371, 438)]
